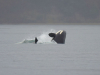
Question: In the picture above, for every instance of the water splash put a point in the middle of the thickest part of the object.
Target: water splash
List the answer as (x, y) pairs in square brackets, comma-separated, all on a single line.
[(42, 39)]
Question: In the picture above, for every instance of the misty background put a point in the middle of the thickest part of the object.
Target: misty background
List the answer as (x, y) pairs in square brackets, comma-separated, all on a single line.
[(49, 11)]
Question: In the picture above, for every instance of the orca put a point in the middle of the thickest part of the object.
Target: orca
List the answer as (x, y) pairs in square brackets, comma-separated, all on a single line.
[(58, 37)]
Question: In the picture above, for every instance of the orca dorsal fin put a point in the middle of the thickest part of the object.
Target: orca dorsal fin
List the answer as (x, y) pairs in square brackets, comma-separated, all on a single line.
[(36, 40)]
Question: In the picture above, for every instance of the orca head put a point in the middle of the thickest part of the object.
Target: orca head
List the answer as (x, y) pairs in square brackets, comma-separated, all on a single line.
[(58, 37)]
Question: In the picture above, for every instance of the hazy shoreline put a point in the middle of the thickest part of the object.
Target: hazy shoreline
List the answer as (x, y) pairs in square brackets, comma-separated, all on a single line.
[(52, 24)]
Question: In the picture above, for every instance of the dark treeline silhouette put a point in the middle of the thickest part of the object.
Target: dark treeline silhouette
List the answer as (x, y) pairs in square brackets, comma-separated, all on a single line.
[(49, 11)]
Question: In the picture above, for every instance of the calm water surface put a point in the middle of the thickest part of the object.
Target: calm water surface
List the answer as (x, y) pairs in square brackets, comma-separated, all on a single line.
[(79, 56)]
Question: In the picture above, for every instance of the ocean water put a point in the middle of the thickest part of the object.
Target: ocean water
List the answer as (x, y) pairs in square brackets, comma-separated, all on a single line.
[(80, 55)]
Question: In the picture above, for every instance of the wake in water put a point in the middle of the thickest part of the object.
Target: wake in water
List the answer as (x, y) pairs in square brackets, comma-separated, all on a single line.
[(44, 38)]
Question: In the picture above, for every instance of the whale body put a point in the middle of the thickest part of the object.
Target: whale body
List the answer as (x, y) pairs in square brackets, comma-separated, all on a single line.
[(58, 37)]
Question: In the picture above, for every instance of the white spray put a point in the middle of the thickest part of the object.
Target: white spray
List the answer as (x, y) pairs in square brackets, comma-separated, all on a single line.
[(44, 38)]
